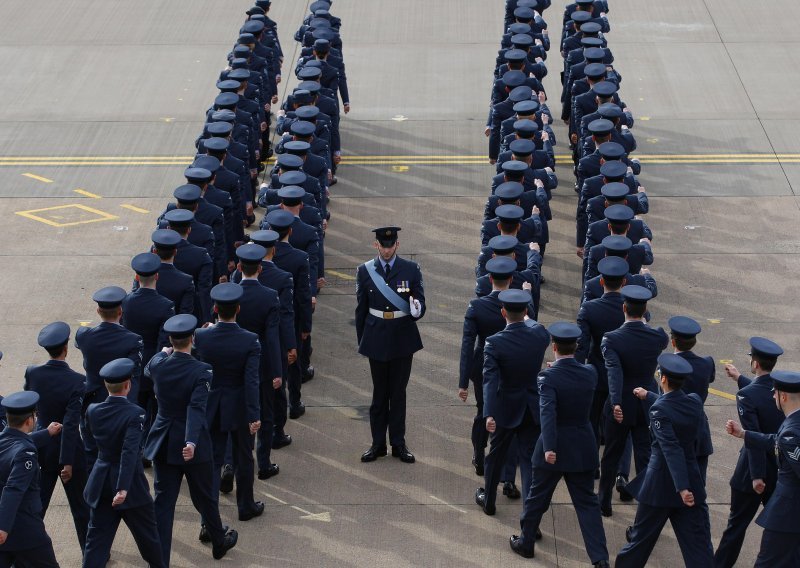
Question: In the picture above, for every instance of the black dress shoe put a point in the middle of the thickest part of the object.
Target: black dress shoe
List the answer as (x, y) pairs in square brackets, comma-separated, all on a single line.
[(308, 374), (256, 511), (281, 441), (515, 542), (296, 412), (230, 540), (226, 481), (373, 453), (478, 467), (601, 564), (629, 534), (205, 536), (510, 490), (403, 453), (538, 534), (480, 499), (334, 181), (271, 471), (605, 510), (620, 487)]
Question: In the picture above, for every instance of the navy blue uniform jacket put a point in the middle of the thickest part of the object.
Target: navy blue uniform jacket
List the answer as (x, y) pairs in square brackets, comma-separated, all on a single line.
[(674, 420), (102, 344), (780, 512), (61, 398), (512, 359), (176, 286), (566, 390), (757, 413), (20, 503), (234, 354), (114, 431), (387, 339), (144, 312), (631, 355), (181, 383), (261, 314)]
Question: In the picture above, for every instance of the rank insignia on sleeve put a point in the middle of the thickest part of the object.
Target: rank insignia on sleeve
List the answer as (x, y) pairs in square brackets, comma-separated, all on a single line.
[(28, 464), (795, 454)]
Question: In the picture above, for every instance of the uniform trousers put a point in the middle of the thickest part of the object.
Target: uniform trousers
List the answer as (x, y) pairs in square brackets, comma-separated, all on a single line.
[(264, 436), (74, 491), (744, 506), (526, 433), (580, 485), (167, 484), (242, 443), (40, 557), (280, 399), (388, 408), (103, 524), (778, 550), (295, 377), (480, 437), (616, 435), (692, 529)]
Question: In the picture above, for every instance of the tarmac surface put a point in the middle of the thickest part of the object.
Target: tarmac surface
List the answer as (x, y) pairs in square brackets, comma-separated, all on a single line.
[(101, 104)]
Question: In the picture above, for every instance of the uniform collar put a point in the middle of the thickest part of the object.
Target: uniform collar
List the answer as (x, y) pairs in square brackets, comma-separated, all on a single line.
[(515, 325), (57, 363)]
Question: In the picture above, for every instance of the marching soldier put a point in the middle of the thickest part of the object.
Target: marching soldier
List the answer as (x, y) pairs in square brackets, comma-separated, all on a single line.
[(23, 539), (179, 443), (117, 489), (233, 401), (512, 359), (566, 447), (61, 396), (755, 475), (390, 299), (780, 543), (672, 486)]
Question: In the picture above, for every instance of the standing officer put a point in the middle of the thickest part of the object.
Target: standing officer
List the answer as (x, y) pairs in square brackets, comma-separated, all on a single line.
[(631, 356), (566, 447), (117, 489), (144, 312), (683, 332), (23, 540), (260, 314), (390, 298), (484, 318), (780, 542), (756, 471), (512, 359), (179, 443), (233, 401), (104, 343), (671, 487), (61, 395)]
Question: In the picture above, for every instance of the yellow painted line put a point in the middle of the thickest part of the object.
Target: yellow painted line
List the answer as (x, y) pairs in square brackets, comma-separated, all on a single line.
[(32, 214), (86, 193), (134, 208), (722, 394), (340, 274), (38, 178)]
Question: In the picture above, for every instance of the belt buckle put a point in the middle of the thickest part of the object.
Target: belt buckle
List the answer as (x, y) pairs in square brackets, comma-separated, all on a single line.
[(388, 315)]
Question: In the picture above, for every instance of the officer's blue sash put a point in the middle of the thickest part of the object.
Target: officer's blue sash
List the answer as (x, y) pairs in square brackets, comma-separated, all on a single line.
[(386, 290)]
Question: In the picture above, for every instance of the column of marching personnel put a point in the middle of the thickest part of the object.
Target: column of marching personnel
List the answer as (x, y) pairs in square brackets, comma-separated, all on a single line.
[(203, 361), (616, 382)]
